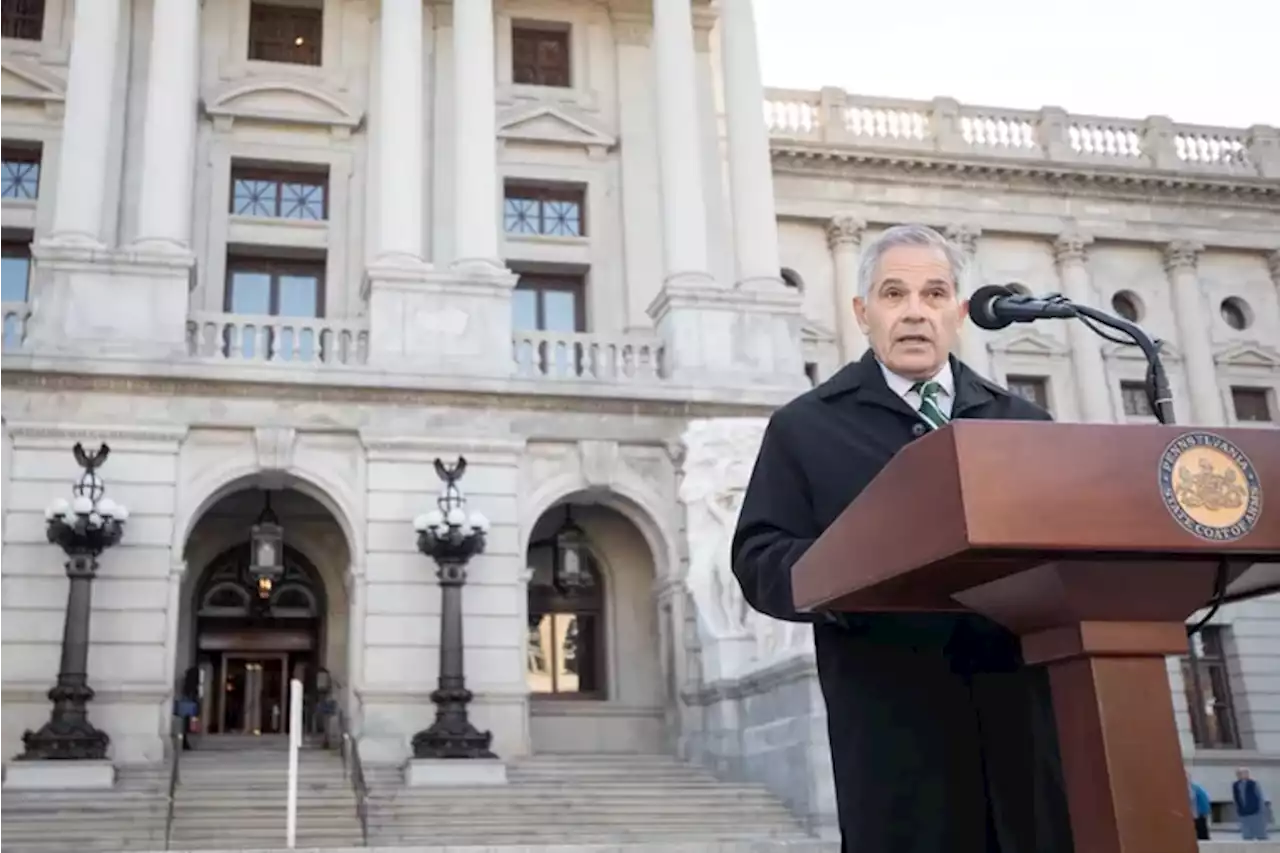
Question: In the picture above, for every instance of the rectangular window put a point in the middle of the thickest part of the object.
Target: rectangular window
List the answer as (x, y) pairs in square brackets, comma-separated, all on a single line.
[(1204, 675), (286, 33), (1251, 405), (548, 303), (1134, 397), (545, 211), (540, 54), (21, 170), (275, 287), (279, 193), (23, 19), (16, 275), (1034, 389)]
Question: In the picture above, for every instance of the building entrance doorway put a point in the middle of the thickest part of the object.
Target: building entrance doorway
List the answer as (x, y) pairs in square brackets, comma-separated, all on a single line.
[(252, 638)]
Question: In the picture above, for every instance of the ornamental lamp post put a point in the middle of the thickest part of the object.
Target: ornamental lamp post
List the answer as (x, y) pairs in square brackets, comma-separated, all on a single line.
[(451, 536), (83, 528)]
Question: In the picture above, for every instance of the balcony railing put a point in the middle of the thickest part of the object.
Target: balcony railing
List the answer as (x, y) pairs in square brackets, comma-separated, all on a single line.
[(588, 356), (835, 117), (268, 339), (16, 315)]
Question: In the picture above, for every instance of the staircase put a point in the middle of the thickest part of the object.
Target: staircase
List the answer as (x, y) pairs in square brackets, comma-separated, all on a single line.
[(230, 798), (652, 801), (130, 816)]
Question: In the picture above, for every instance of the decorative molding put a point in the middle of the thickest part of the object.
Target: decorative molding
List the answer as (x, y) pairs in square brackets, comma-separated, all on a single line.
[(1273, 266), (34, 81), (1128, 352), (1236, 191), (303, 103), (815, 333), (553, 124), (634, 28), (1071, 249), (1248, 354), (964, 236), (599, 460), (39, 434), (559, 401), (413, 447), (275, 446), (1028, 342), (1182, 255), (845, 230)]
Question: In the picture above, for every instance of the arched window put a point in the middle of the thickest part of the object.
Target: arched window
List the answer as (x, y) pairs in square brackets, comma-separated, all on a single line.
[(228, 590), (565, 646)]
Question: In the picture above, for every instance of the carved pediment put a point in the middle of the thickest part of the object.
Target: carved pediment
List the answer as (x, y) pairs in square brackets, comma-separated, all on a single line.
[(1028, 341), (282, 102), (1168, 351), (1248, 354), (814, 333), (548, 124), (28, 80)]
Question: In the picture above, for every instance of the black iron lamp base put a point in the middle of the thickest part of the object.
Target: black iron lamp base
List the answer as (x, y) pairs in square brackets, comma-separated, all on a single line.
[(65, 740)]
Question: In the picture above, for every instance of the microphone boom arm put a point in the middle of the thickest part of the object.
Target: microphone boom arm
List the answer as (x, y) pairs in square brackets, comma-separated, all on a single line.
[(1157, 379)]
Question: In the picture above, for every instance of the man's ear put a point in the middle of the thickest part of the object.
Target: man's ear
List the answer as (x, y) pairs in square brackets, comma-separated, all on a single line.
[(964, 310), (860, 313)]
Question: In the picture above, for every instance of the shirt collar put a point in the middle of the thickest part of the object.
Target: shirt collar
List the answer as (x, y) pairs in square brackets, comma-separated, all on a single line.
[(902, 386)]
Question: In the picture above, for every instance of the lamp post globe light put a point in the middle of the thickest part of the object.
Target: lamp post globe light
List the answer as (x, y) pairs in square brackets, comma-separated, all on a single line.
[(83, 528), (451, 536)]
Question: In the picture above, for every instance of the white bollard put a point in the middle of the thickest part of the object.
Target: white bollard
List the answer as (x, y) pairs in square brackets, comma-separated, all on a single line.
[(295, 743)]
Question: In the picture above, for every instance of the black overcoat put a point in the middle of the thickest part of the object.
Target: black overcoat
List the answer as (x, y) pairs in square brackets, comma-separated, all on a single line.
[(941, 740)]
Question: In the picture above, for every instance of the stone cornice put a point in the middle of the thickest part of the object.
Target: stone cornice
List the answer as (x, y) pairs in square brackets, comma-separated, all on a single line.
[(381, 446), (53, 382), (29, 433), (1235, 190)]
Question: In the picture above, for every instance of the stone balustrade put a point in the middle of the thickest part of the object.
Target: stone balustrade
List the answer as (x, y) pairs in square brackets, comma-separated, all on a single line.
[(263, 338), (588, 356), (16, 315), (942, 125)]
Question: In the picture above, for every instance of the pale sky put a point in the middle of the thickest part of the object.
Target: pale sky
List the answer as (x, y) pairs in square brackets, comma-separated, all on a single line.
[(1214, 62)]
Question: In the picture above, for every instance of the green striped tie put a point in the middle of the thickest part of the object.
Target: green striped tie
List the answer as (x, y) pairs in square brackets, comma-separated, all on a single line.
[(929, 409)]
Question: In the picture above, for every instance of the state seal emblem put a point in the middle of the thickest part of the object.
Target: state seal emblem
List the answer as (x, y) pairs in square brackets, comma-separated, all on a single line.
[(1210, 487)]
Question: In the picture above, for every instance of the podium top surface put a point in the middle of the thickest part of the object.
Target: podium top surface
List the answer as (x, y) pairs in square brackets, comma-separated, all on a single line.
[(980, 499)]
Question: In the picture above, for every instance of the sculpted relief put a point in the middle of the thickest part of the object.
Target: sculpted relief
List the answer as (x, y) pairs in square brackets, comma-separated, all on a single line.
[(718, 456)]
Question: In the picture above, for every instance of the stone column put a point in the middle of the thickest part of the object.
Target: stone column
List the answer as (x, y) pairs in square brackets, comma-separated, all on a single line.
[(475, 192), (86, 126), (844, 236), (169, 133), (684, 209), (356, 586), (755, 222), (1193, 319), (401, 146), (973, 341), (1093, 394)]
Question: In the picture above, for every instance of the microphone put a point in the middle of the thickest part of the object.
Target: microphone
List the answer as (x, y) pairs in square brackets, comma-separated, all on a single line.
[(995, 306)]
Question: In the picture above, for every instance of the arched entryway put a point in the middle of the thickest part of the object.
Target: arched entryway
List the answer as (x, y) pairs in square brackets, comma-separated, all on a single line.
[(263, 603), (592, 647)]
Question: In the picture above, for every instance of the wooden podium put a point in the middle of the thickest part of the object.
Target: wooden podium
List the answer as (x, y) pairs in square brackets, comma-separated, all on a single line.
[(1093, 544)]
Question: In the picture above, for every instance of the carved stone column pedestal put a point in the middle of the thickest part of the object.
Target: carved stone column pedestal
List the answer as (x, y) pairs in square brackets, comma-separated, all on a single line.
[(102, 302), (730, 338), (431, 321)]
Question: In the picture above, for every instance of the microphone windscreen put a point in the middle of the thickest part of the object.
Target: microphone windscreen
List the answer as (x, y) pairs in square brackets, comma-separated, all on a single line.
[(982, 305)]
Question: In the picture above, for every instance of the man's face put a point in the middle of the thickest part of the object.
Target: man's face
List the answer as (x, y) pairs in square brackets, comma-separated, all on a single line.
[(912, 312)]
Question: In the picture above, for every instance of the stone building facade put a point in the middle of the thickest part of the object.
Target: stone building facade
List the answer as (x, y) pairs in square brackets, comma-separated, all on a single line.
[(338, 239)]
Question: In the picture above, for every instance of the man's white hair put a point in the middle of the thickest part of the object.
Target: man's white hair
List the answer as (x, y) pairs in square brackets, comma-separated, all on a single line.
[(909, 235)]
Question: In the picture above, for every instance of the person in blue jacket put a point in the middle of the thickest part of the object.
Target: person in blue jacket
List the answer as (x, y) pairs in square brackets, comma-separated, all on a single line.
[(1200, 808), (1251, 807)]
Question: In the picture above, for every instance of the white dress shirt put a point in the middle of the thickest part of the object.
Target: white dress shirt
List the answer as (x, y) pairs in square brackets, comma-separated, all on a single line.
[(902, 386)]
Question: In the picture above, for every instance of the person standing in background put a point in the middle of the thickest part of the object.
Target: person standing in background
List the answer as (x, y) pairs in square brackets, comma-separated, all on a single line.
[(1251, 807), (1200, 809)]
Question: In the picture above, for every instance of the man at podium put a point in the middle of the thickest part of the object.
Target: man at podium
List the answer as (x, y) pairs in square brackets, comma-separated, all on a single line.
[(941, 740)]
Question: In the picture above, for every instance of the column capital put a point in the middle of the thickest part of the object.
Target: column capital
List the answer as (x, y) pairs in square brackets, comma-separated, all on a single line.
[(1273, 266), (964, 236), (845, 230), (1071, 248), (1182, 255)]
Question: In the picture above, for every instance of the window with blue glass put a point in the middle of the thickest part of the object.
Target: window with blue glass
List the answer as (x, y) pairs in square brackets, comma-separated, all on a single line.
[(548, 303), (275, 287), (20, 176), (544, 210), (279, 193), (16, 272)]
